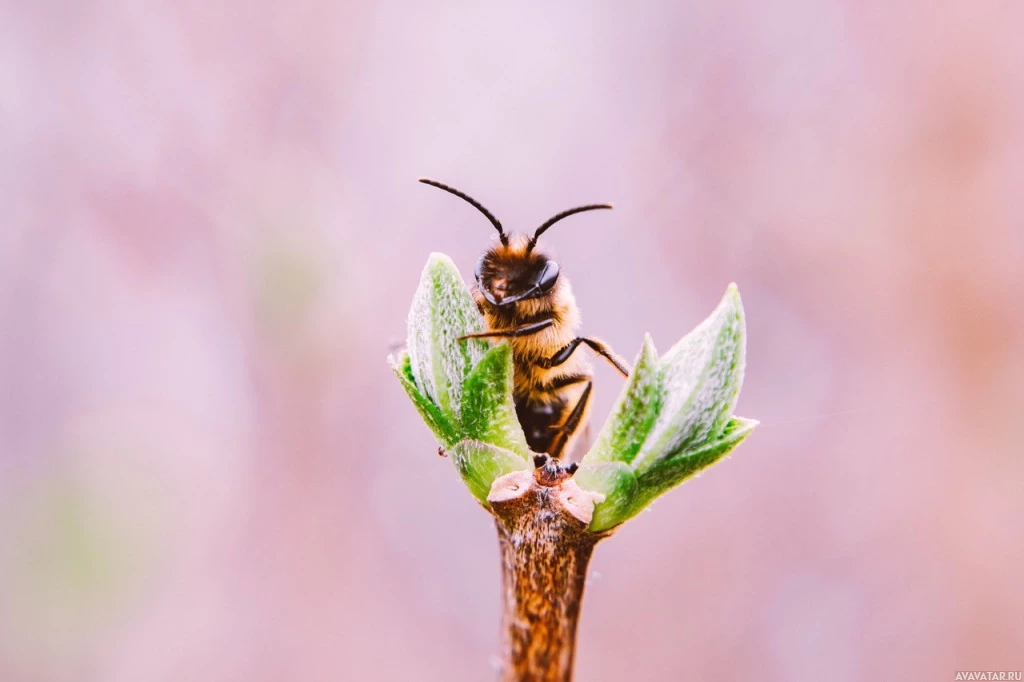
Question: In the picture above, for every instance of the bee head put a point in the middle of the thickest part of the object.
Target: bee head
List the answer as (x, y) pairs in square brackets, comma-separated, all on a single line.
[(514, 272), (510, 273)]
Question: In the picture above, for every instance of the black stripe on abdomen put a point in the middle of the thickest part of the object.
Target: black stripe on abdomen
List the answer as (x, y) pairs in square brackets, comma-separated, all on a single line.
[(540, 421)]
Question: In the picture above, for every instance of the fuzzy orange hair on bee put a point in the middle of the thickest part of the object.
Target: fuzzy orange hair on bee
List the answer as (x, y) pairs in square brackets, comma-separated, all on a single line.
[(524, 298)]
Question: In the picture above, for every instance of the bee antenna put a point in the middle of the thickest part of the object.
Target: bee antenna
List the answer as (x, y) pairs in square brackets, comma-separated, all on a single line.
[(564, 214), (476, 204)]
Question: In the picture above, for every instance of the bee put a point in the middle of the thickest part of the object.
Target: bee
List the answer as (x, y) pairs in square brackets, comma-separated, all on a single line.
[(524, 298)]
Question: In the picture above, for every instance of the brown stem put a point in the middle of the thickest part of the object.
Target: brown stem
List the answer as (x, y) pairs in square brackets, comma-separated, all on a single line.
[(542, 520)]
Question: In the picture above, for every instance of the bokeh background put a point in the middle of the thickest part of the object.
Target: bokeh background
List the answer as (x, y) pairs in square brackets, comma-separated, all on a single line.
[(212, 231)]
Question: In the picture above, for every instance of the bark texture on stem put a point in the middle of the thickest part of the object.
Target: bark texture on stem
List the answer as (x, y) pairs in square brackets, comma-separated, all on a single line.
[(542, 518)]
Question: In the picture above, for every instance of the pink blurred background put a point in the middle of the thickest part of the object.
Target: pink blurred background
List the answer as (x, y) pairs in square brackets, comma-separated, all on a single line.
[(212, 232)]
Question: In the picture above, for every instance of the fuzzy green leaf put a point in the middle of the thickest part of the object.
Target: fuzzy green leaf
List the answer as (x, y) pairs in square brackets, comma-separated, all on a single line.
[(488, 410), (676, 468), (444, 431), (634, 412), (701, 378), (619, 486), (442, 311), (480, 463)]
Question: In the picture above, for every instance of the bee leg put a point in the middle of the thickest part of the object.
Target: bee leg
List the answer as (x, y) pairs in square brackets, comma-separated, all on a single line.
[(566, 380), (571, 423), (598, 347), (524, 330)]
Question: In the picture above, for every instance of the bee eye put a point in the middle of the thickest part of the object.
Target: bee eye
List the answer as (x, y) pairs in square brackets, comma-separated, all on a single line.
[(548, 276), (479, 274)]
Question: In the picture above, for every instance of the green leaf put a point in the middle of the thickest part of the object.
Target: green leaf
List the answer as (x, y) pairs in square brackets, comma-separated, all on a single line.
[(480, 463), (444, 431), (676, 468), (619, 486), (488, 409), (634, 412), (442, 311), (701, 378), (462, 389)]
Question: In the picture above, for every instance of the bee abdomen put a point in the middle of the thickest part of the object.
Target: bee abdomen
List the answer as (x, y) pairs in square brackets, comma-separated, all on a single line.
[(540, 421), (544, 402)]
